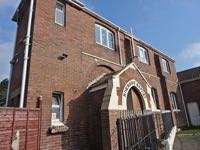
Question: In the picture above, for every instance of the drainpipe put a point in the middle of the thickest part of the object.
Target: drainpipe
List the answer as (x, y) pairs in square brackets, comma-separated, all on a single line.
[(134, 54), (183, 103), (119, 42), (26, 53)]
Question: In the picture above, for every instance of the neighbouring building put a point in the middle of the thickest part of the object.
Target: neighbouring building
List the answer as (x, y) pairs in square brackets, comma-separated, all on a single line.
[(86, 70), (189, 81)]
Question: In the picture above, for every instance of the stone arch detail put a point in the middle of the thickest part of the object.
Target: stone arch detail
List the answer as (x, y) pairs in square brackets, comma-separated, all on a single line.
[(134, 84), (107, 67)]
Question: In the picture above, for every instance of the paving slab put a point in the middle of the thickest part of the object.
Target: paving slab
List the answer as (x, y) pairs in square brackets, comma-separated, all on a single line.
[(187, 142)]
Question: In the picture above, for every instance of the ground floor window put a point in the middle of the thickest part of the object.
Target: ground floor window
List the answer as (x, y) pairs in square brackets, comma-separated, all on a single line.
[(57, 108), (155, 97), (174, 101)]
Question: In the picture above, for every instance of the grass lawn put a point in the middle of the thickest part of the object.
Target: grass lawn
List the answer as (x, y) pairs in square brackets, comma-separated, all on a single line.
[(191, 131)]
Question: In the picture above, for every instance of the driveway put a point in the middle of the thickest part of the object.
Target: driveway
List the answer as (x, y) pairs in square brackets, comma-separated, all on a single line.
[(186, 142)]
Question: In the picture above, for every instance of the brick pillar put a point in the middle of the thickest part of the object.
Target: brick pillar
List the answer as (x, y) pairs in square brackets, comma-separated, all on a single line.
[(109, 129)]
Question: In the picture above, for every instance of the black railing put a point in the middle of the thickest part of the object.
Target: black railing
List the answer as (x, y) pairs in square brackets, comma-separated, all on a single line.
[(137, 132), (167, 123)]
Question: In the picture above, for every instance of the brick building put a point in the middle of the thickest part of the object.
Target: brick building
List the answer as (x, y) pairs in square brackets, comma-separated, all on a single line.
[(189, 81), (86, 70)]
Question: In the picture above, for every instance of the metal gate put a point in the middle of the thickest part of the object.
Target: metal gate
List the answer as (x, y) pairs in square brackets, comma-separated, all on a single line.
[(137, 132)]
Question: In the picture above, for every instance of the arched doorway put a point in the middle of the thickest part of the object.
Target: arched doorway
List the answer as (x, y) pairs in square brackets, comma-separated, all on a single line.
[(134, 101)]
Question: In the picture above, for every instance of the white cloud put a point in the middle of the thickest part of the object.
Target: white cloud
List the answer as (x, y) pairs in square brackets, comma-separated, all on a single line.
[(190, 55), (6, 50), (191, 51), (197, 64)]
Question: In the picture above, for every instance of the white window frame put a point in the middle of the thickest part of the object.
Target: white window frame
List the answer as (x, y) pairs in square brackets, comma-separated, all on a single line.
[(144, 58), (61, 106), (174, 101), (165, 65), (107, 37), (155, 98), (62, 11)]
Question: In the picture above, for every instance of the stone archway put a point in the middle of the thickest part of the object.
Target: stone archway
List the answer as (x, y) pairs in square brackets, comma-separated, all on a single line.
[(135, 94), (134, 101)]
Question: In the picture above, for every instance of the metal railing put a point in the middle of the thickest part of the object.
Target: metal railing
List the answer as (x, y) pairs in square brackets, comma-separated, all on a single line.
[(137, 132), (167, 123)]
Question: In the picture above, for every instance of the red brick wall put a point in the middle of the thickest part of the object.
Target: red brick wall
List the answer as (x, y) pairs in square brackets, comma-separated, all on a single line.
[(190, 92), (95, 120), (72, 75), (26, 121)]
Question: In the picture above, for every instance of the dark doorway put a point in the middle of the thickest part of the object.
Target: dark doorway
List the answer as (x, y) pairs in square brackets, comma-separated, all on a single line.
[(134, 101)]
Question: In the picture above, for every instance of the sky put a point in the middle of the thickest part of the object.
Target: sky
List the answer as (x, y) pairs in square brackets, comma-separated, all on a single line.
[(171, 26)]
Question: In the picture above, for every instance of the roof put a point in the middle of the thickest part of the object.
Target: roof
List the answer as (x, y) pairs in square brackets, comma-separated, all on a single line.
[(189, 74), (81, 6), (103, 80)]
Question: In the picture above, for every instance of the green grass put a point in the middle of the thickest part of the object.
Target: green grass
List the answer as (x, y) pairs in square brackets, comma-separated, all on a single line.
[(191, 131)]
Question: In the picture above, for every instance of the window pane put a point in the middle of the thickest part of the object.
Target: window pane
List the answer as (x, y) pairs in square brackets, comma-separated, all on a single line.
[(59, 6), (165, 65), (173, 98), (59, 14), (57, 107), (104, 37), (143, 55), (146, 56), (140, 52), (55, 100), (110, 40), (98, 34), (56, 111), (59, 17), (155, 99)]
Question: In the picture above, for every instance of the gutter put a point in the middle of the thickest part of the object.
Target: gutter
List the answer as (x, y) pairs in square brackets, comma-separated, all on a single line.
[(26, 53)]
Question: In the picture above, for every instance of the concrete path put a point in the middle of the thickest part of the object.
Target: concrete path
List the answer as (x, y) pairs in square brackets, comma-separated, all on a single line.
[(186, 142)]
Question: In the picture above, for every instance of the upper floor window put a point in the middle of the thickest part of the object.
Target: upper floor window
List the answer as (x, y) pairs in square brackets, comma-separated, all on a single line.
[(155, 97), (174, 102), (60, 13), (57, 108), (165, 65), (104, 37), (143, 55)]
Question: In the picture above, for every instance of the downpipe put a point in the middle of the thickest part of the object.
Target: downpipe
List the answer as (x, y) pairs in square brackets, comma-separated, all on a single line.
[(26, 53)]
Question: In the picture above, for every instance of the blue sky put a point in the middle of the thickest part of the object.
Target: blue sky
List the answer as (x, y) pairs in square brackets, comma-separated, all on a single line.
[(172, 26)]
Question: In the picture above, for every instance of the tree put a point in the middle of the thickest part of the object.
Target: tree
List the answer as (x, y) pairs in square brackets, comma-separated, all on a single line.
[(3, 91), (4, 85)]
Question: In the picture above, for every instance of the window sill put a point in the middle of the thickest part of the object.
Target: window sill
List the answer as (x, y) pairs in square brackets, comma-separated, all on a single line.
[(146, 63), (166, 72), (157, 110), (105, 46), (176, 110), (59, 24), (58, 128)]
